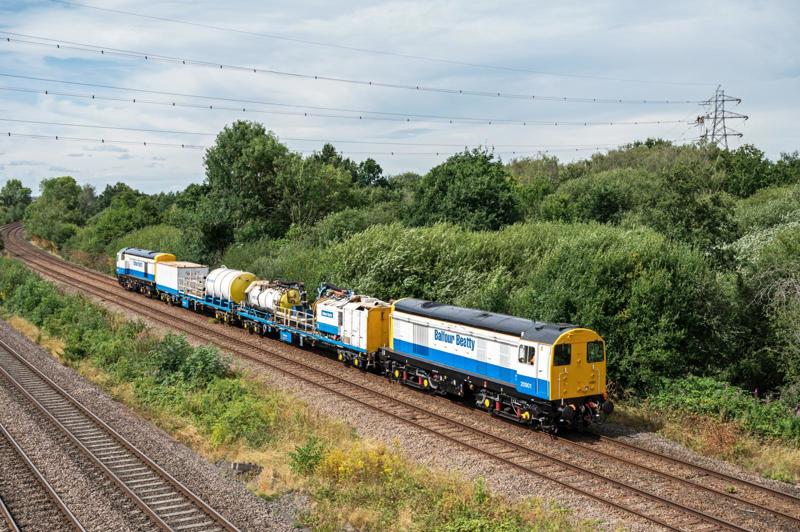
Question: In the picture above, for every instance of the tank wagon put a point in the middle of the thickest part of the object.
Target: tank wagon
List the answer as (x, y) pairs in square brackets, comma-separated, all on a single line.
[(546, 375)]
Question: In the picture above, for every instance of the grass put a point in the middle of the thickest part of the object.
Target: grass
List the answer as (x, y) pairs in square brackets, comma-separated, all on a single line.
[(54, 346), (199, 397), (772, 458)]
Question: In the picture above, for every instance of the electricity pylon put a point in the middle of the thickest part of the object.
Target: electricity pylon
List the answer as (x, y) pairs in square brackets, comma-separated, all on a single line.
[(714, 122)]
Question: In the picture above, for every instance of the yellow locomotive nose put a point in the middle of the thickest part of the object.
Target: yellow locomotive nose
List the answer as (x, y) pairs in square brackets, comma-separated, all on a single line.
[(579, 366)]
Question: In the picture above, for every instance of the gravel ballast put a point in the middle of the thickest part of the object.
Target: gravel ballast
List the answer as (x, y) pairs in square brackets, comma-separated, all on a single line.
[(87, 493), (428, 449)]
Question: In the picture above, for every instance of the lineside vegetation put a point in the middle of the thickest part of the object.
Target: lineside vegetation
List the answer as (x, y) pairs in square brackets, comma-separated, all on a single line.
[(685, 258), (200, 397)]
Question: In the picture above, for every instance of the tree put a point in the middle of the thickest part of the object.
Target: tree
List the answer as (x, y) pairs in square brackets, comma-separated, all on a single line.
[(241, 171), (366, 173), (684, 209), (55, 215), (471, 189), (310, 189), (370, 174), (257, 188), (746, 170), (786, 169), (108, 195), (128, 211), (15, 198), (86, 201)]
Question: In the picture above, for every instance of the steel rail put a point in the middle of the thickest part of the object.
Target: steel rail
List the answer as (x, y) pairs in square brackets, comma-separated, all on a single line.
[(716, 474), (711, 472), (100, 446), (42, 482), (191, 330), (5, 513)]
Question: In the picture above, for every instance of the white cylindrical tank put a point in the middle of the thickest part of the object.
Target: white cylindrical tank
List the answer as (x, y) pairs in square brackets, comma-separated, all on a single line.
[(229, 284), (266, 295)]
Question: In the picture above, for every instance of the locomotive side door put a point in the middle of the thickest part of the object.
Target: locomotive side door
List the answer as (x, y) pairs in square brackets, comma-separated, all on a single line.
[(480, 352), (526, 365), (543, 371)]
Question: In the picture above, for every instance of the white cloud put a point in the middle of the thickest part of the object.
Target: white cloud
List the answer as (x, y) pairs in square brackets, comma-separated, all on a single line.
[(678, 41)]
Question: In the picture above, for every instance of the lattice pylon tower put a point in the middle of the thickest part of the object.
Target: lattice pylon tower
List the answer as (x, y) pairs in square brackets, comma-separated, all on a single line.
[(715, 121)]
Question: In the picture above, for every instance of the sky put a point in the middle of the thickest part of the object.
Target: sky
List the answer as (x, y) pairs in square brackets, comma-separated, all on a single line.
[(526, 51)]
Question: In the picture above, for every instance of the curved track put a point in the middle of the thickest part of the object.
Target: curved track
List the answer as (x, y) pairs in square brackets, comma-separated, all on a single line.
[(168, 503), (27, 500), (640, 501)]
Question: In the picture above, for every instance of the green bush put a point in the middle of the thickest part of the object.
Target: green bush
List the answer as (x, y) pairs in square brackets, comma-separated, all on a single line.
[(168, 356), (305, 458), (652, 155), (710, 397), (469, 189), (769, 207), (774, 278), (295, 260), (246, 419), (603, 197), (203, 366), (661, 308), (167, 374), (161, 237), (746, 170), (342, 224)]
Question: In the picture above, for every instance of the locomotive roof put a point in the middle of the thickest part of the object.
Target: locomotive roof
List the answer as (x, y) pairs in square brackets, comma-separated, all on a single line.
[(535, 331), (144, 253)]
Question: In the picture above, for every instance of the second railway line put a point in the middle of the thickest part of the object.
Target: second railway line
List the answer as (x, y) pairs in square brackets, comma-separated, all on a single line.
[(630, 498), (166, 502)]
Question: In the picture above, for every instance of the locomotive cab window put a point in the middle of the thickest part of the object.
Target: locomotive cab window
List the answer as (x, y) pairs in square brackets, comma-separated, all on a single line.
[(594, 352), (562, 355), (527, 354)]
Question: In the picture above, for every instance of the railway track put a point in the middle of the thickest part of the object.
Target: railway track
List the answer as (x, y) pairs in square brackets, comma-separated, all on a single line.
[(27, 500), (622, 495), (169, 504)]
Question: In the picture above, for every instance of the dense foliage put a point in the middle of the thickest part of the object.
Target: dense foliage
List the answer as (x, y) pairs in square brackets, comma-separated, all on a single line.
[(167, 373), (56, 213), (194, 390), (14, 199), (718, 399), (660, 305), (471, 189), (685, 258)]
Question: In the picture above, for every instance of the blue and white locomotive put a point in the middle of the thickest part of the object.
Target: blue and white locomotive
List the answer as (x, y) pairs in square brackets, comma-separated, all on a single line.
[(532, 372)]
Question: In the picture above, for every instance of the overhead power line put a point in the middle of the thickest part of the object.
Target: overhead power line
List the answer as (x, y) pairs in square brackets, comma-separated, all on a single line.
[(366, 115), (106, 51), (10, 134), (147, 144), (294, 139), (371, 50)]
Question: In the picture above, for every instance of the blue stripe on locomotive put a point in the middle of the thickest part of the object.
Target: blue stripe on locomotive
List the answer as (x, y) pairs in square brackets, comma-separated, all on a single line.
[(328, 329), (135, 273), (528, 385), (166, 290), (261, 317)]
